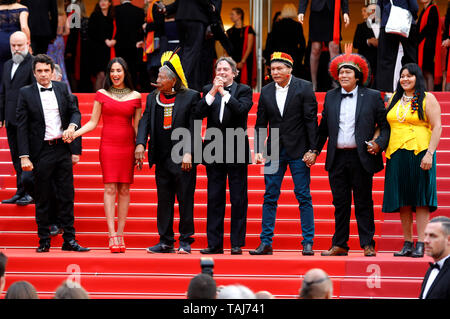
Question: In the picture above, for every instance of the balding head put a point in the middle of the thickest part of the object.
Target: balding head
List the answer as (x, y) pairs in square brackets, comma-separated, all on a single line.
[(316, 285), (19, 46)]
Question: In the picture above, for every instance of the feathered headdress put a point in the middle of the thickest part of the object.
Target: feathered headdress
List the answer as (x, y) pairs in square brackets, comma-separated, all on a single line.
[(172, 60), (282, 57), (350, 59)]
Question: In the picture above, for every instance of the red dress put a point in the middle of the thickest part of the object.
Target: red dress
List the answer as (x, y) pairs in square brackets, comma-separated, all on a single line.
[(117, 142)]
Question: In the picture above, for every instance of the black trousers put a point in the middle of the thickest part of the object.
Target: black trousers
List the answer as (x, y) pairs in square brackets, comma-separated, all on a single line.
[(53, 171), (387, 56), (11, 132), (217, 183), (171, 181), (347, 175), (192, 36)]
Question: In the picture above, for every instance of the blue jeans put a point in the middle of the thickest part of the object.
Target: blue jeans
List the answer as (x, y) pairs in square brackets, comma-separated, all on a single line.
[(301, 177)]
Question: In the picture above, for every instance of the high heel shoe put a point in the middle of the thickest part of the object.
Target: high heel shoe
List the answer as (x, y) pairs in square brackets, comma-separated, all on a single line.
[(406, 251), (121, 244), (113, 244), (418, 252)]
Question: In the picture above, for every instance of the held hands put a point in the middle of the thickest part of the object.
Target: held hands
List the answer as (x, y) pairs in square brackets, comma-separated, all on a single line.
[(372, 147), (69, 134), (26, 164), (427, 161), (186, 164), (259, 158), (217, 86), (309, 158), (346, 20)]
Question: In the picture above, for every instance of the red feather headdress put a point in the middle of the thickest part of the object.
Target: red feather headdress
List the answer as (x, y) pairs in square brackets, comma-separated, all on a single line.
[(350, 59)]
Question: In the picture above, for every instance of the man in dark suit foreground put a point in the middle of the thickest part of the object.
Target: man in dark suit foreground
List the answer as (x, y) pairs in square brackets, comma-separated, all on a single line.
[(44, 109), (226, 105), (17, 73), (289, 107), (350, 117), (436, 284)]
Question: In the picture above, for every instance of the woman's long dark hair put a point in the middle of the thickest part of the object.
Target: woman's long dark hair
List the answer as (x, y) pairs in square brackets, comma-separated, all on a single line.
[(127, 79), (110, 9), (8, 1), (413, 69)]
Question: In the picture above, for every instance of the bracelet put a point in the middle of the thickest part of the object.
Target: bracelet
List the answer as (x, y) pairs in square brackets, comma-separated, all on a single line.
[(429, 153)]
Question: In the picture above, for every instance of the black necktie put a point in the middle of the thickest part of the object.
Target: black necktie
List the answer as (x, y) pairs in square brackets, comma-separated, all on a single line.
[(435, 265), (344, 95), (45, 89)]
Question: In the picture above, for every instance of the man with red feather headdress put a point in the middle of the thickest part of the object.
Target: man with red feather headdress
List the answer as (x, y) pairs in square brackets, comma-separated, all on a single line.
[(351, 115)]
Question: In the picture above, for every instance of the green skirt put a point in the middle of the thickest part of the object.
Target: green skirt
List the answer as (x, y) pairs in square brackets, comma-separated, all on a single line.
[(406, 184)]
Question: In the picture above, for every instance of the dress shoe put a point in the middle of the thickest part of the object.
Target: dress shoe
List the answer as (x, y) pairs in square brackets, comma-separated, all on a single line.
[(72, 245), (335, 251), (369, 251), (211, 251), (25, 200), (161, 248), (236, 250), (307, 250), (12, 200), (406, 250), (418, 252), (43, 247), (263, 249), (55, 230), (185, 248)]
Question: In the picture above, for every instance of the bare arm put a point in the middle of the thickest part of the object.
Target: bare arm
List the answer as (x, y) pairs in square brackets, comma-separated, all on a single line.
[(23, 18), (433, 113), (93, 122)]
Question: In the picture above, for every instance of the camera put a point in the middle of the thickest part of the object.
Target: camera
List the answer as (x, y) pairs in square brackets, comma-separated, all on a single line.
[(207, 265)]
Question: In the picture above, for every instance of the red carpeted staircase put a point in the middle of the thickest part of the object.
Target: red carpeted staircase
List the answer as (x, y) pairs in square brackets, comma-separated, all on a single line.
[(137, 274)]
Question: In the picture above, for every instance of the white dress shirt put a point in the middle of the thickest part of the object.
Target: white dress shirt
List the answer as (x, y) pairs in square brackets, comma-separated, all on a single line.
[(346, 134), (281, 95), (375, 26), (225, 98), (53, 126), (14, 69), (432, 277)]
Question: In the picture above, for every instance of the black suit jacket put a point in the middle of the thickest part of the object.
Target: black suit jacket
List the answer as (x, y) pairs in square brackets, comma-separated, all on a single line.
[(9, 88), (30, 117), (234, 116), (440, 289), (182, 117), (370, 113), (319, 5), (362, 34), (197, 10), (43, 17), (298, 125), (129, 21)]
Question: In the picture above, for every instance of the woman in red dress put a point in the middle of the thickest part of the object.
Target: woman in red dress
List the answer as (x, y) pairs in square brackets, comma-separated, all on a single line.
[(121, 108)]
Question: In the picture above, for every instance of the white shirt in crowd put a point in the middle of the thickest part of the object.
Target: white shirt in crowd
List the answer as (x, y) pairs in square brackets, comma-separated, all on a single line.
[(53, 126), (281, 95), (346, 134), (225, 98), (433, 274)]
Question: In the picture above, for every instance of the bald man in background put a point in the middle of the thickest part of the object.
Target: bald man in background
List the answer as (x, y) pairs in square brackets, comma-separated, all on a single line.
[(316, 285)]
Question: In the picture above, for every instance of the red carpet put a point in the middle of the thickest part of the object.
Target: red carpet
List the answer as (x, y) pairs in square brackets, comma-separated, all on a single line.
[(137, 274)]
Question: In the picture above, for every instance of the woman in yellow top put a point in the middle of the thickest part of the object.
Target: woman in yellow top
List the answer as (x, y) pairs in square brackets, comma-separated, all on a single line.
[(410, 183)]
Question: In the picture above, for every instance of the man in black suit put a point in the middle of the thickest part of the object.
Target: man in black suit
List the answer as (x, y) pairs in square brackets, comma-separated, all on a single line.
[(288, 105), (436, 284), (169, 112), (43, 110), (17, 73), (192, 17), (350, 117), (226, 105), (129, 22), (43, 22)]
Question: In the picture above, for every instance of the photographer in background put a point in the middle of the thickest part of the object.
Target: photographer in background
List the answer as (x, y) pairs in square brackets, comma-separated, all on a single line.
[(203, 286)]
